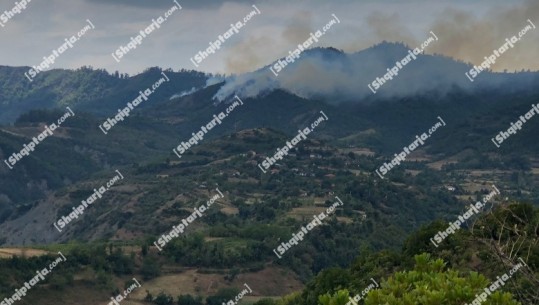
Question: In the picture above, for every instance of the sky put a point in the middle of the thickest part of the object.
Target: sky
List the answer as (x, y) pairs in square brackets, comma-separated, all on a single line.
[(467, 31)]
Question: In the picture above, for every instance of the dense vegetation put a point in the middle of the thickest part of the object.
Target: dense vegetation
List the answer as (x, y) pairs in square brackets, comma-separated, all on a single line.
[(418, 274), (114, 239)]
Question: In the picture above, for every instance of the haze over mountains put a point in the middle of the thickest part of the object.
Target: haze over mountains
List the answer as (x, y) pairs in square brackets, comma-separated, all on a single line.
[(322, 79), (393, 162), (335, 76), (325, 74), (457, 165)]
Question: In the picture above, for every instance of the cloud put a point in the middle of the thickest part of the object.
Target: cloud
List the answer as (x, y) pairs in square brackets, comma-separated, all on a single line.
[(468, 30), (186, 4)]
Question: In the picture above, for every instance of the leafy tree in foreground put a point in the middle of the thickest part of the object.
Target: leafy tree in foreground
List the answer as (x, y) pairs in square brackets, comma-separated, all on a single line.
[(430, 284), (339, 298)]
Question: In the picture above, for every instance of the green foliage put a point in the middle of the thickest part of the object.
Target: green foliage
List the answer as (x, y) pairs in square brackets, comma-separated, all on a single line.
[(59, 281), (328, 280), (222, 296), (340, 297), (150, 268), (471, 263), (291, 299), (103, 279), (188, 300), (265, 301), (84, 88), (429, 284), (120, 263), (163, 299)]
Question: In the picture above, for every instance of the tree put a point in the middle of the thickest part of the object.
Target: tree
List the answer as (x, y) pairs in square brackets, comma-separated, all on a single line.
[(429, 283), (60, 281), (223, 295), (144, 249), (188, 300), (339, 298), (103, 279), (511, 233), (150, 268), (163, 299), (325, 281)]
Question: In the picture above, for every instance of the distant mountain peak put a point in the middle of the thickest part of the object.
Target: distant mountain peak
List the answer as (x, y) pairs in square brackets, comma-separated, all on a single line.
[(333, 75)]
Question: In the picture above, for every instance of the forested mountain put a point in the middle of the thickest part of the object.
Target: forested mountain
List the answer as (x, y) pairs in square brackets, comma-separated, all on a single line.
[(382, 230)]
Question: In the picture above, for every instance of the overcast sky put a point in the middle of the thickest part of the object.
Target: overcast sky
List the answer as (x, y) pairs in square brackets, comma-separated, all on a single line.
[(467, 30)]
